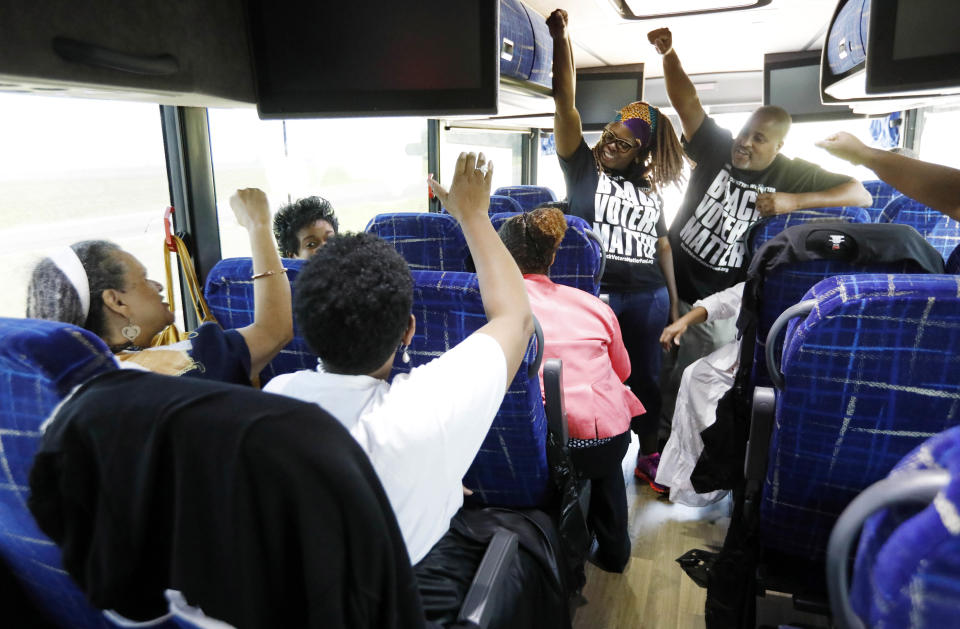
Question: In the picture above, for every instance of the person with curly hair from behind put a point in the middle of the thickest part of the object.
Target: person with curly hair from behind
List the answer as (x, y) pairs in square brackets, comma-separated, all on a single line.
[(301, 228), (583, 332), (353, 302)]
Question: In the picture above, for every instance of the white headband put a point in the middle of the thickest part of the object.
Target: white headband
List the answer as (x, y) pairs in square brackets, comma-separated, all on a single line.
[(69, 263)]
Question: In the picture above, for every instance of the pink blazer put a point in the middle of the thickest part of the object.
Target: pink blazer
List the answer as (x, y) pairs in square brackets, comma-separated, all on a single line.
[(583, 332)]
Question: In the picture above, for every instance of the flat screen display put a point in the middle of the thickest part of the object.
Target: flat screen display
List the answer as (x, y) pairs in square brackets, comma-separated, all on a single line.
[(319, 58), (913, 45), (792, 80), (600, 96)]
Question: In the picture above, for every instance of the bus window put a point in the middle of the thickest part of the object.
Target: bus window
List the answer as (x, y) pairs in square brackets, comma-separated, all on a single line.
[(800, 143), (504, 148), (363, 166), (938, 137), (548, 166), (77, 169)]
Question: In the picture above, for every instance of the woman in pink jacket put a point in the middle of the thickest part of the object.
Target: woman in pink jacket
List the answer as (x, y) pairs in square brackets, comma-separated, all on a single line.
[(583, 332)]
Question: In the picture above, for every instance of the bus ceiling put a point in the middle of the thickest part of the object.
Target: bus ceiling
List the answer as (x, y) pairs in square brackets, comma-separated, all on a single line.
[(206, 53)]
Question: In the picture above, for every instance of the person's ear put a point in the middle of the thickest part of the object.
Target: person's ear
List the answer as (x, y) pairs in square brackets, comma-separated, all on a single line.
[(113, 300), (411, 329), (779, 145), (553, 258)]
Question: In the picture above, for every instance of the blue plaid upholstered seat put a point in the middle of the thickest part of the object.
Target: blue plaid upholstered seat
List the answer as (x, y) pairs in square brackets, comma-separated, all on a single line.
[(787, 284), (953, 262), (229, 293), (869, 374), (937, 228), (767, 228), (498, 203), (907, 572), (511, 467), (882, 193), (529, 197), (426, 241), (579, 258), (40, 362), (502, 203)]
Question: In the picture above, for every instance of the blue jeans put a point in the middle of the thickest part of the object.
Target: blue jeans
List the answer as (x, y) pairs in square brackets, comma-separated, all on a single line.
[(642, 316)]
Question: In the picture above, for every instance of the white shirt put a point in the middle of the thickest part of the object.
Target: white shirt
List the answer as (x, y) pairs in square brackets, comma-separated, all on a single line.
[(421, 433), (703, 384), (724, 304)]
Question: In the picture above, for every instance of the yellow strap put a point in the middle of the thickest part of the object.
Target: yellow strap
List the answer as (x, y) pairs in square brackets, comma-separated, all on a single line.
[(193, 284)]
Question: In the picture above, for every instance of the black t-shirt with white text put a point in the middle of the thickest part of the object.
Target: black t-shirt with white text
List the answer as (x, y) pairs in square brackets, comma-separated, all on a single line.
[(626, 215), (707, 235)]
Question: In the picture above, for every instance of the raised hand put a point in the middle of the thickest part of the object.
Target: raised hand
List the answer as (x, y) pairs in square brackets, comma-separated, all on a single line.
[(250, 207), (662, 39), (557, 23), (845, 146), (469, 193)]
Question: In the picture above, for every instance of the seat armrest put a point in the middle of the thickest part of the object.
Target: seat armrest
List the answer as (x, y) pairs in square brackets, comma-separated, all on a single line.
[(553, 400), (489, 584), (801, 309), (758, 446), (919, 486)]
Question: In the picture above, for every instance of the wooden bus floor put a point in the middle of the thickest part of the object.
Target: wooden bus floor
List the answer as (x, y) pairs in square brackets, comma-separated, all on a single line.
[(654, 591)]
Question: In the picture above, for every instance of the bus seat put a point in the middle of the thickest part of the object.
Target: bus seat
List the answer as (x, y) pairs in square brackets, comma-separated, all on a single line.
[(426, 241), (40, 362), (511, 468), (580, 259), (940, 230), (953, 262), (766, 228), (907, 569), (866, 375), (529, 197), (502, 203), (498, 203), (882, 193), (229, 293), (785, 285)]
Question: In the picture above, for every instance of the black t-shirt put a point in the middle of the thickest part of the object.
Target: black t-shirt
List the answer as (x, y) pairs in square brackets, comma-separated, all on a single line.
[(707, 235), (626, 215)]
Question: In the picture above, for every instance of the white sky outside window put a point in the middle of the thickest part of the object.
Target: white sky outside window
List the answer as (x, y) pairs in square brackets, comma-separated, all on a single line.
[(938, 139), (503, 148), (363, 166), (78, 169)]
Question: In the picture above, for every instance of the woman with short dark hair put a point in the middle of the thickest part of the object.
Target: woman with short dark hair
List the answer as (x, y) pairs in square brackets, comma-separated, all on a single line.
[(304, 226), (422, 430)]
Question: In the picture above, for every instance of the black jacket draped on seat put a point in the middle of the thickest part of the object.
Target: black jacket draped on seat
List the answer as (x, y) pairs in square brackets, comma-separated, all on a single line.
[(261, 509)]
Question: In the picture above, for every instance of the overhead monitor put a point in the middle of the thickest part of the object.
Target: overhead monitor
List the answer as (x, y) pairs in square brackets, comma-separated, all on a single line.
[(913, 45), (601, 94), (792, 80), (314, 58)]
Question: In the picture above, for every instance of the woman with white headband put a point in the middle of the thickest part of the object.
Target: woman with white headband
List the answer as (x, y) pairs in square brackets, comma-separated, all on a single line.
[(98, 286)]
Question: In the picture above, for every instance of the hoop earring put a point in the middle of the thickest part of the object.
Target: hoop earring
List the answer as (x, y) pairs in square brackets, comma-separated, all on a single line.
[(405, 355), (130, 331)]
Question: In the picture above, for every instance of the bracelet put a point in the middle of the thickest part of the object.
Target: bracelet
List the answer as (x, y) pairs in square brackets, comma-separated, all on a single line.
[(268, 274), (664, 54)]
